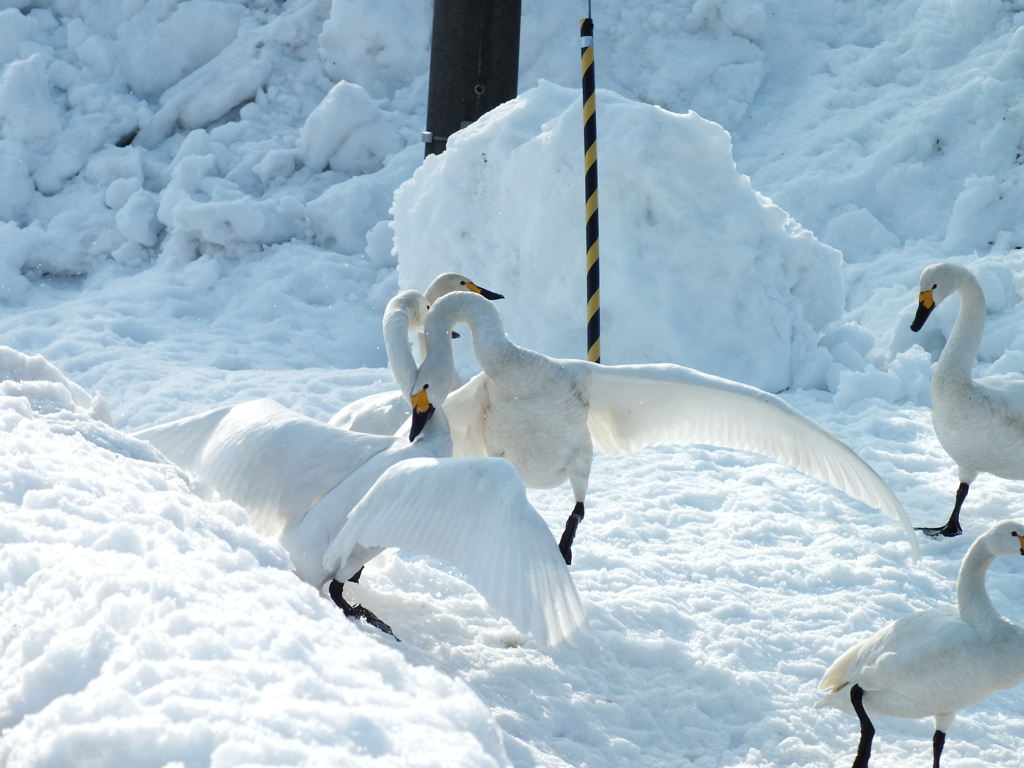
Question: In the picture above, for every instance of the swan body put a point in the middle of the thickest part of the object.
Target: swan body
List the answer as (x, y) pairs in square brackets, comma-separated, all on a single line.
[(933, 663), (385, 412), (545, 415), (979, 422), (301, 481)]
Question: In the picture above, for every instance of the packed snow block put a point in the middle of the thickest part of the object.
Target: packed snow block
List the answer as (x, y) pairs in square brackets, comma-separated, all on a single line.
[(343, 133), (27, 112), (697, 267), (362, 43), (213, 90), (365, 201), (17, 189)]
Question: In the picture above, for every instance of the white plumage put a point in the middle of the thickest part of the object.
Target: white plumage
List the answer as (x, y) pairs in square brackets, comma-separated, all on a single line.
[(545, 415), (933, 663), (300, 480), (980, 423), (385, 412)]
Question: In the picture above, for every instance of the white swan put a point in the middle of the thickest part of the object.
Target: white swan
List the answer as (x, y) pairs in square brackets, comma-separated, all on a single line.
[(980, 423), (931, 664), (301, 481), (385, 412), (545, 415)]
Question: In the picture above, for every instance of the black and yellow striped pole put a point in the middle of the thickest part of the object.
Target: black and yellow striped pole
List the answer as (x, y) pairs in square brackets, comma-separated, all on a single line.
[(590, 165)]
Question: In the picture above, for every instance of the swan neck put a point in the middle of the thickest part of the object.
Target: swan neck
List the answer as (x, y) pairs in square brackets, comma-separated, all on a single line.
[(971, 596), (490, 344), (396, 343), (958, 356)]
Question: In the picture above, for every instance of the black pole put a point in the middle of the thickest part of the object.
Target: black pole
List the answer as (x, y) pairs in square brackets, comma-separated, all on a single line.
[(590, 166), (474, 64)]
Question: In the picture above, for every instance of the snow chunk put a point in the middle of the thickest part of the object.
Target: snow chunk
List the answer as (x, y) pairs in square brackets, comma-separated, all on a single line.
[(27, 112), (362, 43), (342, 133), (196, 32)]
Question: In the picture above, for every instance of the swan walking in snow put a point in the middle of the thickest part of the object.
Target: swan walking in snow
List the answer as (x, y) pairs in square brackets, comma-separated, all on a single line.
[(931, 664), (385, 412), (336, 498), (980, 423), (545, 415)]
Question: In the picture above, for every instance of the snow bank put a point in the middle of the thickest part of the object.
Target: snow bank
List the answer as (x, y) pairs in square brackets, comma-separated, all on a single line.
[(697, 268), (143, 626)]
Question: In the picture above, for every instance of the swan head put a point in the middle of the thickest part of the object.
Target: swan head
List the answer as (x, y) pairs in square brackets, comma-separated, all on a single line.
[(937, 283), (449, 282), (435, 380), (422, 410), (1005, 538)]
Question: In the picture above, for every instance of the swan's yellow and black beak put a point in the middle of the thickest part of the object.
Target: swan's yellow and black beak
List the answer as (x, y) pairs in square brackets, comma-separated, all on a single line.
[(422, 410), (925, 305), (1021, 542), (482, 291)]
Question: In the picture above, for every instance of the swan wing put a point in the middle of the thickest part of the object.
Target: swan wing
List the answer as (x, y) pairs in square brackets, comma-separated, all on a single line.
[(925, 663), (183, 440), (1006, 395), (474, 514), (466, 409), (633, 406), (380, 414), (268, 459)]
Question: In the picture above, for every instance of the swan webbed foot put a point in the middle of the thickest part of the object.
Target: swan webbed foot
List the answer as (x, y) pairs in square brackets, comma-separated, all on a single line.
[(952, 526), (867, 730), (949, 529), (938, 742), (356, 612), (354, 578), (565, 543)]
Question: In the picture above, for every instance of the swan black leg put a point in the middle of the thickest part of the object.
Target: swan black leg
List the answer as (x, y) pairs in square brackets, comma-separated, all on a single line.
[(938, 742), (356, 612), (952, 527), (867, 730), (565, 543)]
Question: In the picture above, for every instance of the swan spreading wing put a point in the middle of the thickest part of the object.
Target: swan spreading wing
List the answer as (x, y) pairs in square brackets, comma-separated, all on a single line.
[(269, 459), (474, 514), (634, 406), (380, 414)]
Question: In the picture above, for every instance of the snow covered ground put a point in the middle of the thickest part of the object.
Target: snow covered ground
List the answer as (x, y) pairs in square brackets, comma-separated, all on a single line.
[(209, 201)]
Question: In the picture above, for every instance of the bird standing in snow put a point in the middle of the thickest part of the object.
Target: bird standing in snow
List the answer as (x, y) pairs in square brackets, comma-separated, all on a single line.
[(931, 664), (545, 415), (336, 498), (980, 423)]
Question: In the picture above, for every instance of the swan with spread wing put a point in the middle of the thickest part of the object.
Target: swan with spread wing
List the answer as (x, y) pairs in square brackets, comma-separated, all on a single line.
[(546, 415), (979, 422), (335, 498)]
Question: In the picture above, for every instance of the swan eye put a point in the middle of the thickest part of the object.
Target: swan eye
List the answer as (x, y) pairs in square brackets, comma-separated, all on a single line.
[(1014, 533), (427, 386), (462, 282), (935, 286)]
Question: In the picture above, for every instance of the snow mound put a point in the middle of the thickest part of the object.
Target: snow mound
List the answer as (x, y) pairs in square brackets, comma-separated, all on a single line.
[(147, 627), (697, 268)]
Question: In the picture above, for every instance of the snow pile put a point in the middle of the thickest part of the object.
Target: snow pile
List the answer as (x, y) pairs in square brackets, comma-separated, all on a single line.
[(135, 131), (741, 289), (143, 626), (195, 210), (913, 134)]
